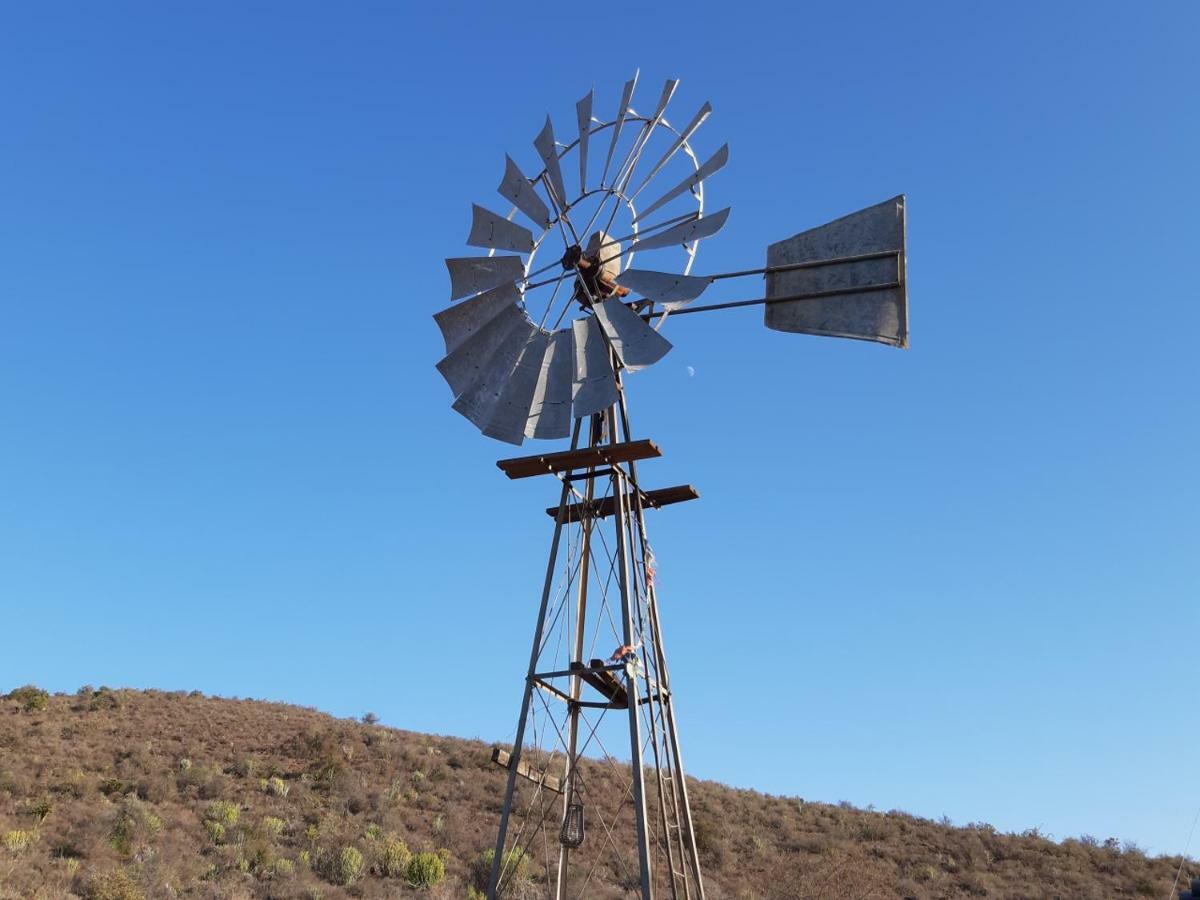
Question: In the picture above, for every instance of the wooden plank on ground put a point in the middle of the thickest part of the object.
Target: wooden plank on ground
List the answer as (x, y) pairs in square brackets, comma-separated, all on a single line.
[(503, 759), (603, 508), (583, 458)]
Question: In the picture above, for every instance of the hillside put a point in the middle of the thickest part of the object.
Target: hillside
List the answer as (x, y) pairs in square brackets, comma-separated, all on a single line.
[(120, 795)]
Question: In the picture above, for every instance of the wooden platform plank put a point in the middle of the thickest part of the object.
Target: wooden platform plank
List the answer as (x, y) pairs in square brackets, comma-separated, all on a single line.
[(503, 759), (583, 458), (603, 681), (603, 508)]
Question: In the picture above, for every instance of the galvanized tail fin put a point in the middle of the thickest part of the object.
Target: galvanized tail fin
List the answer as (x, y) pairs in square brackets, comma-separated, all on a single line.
[(843, 279)]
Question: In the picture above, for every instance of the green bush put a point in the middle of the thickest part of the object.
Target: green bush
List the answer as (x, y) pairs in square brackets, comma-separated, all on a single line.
[(343, 867), (103, 698), (272, 826), (222, 811), (16, 841), (514, 864), (122, 833), (426, 870), (216, 831), (276, 786), (393, 858), (283, 868), (31, 697), (115, 885)]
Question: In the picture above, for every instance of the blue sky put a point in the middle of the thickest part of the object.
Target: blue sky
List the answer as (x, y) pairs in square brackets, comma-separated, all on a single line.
[(956, 580)]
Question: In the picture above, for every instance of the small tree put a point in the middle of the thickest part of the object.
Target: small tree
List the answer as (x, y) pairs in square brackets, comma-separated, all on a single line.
[(31, 697)]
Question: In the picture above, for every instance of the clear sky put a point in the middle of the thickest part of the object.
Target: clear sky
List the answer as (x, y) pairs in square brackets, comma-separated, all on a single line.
[(961, 579)]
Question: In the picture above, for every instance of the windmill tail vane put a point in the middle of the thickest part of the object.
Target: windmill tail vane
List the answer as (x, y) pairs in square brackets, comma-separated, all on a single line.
[(572, 295)]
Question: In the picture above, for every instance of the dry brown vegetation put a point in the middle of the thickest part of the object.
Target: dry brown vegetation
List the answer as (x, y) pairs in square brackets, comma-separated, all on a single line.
[(130, 795)]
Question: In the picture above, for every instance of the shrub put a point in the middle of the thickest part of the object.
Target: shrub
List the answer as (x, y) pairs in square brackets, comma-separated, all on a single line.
[(121, 835), (222, 811), (216, 831), (708, 840), (514, 865), (272, 826), (343, 867), (115, 885), (373, 832), (111, 787), (31, 697), (393, 858), (276, 786), (370, 719), (283, 868), (103, 698), (426, 870), (16, 841), (41, 809)]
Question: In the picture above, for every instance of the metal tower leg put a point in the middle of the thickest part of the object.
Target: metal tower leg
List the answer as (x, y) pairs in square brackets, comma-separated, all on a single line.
[(596, 429), (666, 696), (518, 740), (620, 512)]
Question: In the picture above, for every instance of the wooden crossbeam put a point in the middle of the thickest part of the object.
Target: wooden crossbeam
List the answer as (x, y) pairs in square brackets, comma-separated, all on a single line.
[(503, 759), (583, 458), (599, 509)]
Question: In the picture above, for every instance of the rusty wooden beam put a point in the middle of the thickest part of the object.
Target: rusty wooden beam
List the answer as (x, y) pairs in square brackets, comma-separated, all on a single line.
[(583, 458), (602, 508), (503, 759)]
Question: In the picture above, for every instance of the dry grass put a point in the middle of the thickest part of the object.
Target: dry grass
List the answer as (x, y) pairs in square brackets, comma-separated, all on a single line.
[(127, 795)]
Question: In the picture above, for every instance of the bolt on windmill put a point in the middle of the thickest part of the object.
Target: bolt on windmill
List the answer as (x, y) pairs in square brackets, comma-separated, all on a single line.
[(550, 323)]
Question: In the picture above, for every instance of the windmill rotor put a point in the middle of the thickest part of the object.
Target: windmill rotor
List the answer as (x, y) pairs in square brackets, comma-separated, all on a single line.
[(520, 359)]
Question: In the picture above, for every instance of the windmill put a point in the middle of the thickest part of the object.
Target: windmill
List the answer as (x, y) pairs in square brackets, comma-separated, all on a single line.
[(541, 335)]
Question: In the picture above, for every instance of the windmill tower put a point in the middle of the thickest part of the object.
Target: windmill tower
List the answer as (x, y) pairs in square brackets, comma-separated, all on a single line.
[(541, 348)]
